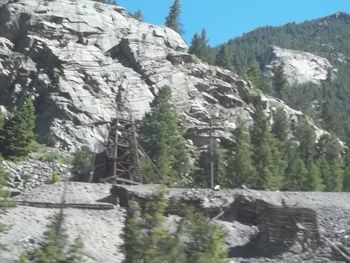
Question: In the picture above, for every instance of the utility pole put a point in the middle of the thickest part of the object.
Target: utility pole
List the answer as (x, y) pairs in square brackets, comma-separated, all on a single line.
[(211, 146), (115, 153)]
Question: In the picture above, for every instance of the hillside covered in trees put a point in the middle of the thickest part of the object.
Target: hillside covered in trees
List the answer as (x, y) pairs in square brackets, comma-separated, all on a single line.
[(329, 37)]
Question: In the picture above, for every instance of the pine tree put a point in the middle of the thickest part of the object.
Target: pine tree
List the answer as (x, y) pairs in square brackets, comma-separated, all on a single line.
[(133, 234), (346, 185), (17, 136), (279, 83), (329, 153), (162, 139), (299, 175), (137, 15), (146, 239), (55, 247), (239, 169), (205, 240), (173, 18), (303, 171), (75, 252), (314, 181), (281, 125), (200, 171), (83, 164), (199, 46), (5, 203), (2, 122), (196, 239), (306, 136), (160, 245), (330, 115), (254, 75), (266, 156), (196, 44), (222, 58)]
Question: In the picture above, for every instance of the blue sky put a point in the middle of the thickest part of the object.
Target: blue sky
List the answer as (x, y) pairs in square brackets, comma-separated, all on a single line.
[(225, 19)]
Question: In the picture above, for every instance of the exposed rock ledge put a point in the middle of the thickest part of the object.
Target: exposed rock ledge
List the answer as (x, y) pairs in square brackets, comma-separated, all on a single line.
[(299, 67), (78, 57)]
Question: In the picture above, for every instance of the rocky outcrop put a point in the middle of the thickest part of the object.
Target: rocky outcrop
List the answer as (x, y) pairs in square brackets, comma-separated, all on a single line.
[(37, 170), (81, 60), (78, 58), (299, 67)]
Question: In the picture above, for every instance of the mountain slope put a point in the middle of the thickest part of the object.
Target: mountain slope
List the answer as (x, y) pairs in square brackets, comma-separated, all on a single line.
[(82, 60), (327, 37), (318, 80)]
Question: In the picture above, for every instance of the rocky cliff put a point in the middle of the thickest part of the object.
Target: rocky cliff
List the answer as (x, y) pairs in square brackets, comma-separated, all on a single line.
[(81, 59), (299, 67)]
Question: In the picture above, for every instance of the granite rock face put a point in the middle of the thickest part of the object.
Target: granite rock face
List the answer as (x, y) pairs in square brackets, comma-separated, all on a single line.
[(80, 60), (299, 67)]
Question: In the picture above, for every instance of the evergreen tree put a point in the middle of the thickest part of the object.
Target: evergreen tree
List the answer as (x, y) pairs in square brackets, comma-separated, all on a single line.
[(75, 252), (199, 46), (146, 238), (266, 156), (196, 240), (2, 122), (302, 178), (83, 164), (222, 58), (329, 153), (330, 115), (173, 18), (137, 15), (55, 247), (205, 240), (302, 172), (314, 181), (162, 139), (346, 185), (254, 75), (279, 83), (199, 174), (17, 136), (196, 44), (305, 135), (5, 203), (239, 169), (281, 125), (299, 175), (133, 234)]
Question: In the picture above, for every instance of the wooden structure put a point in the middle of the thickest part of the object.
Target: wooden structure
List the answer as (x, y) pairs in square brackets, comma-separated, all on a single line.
[(123, 152), (282, 227)]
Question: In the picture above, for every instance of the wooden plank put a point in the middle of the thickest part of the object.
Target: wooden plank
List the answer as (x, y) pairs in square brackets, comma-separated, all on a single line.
[(66, 205)]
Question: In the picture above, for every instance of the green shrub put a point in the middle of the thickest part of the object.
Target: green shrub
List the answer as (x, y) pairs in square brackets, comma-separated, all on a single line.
[(83, 164)]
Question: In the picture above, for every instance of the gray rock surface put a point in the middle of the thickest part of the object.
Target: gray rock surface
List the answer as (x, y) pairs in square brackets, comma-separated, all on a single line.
[(76, 58), (100, 230), (299, 67), (37, 170)]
